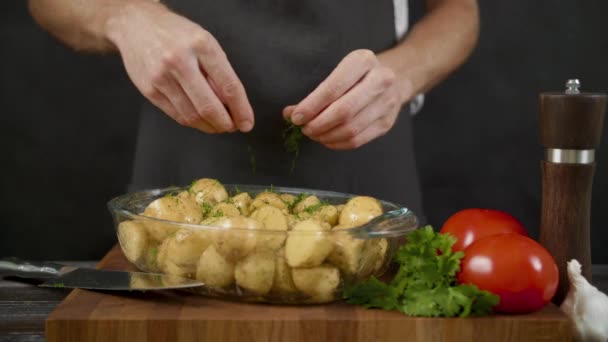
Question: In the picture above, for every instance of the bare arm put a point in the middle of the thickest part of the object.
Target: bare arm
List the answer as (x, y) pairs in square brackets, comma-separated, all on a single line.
[(175, 63), (435, 47), (361, 99), (79, 24)]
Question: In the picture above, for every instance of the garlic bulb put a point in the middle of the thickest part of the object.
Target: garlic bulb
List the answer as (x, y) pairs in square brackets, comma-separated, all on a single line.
[(586, 306)]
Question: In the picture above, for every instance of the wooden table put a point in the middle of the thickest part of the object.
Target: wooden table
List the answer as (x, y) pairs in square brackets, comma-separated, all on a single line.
[(24, 306)]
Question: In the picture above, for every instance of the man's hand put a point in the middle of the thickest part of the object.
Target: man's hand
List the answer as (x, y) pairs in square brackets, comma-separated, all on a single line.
[(358, 102), (180, 68)]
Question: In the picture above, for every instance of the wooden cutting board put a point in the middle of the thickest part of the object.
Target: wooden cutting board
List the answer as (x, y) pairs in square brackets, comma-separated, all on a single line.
[(177, 316)]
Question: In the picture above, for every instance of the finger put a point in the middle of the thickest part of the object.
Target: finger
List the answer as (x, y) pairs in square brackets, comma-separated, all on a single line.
[(357, 124), (179, 100), (348, 72), (229, 88), (287, 111), (204, 100), (162, 102), (377, 129), (345, 108)]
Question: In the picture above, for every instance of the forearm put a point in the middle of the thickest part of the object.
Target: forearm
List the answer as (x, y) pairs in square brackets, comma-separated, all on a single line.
[(435, 47), (80, 24)]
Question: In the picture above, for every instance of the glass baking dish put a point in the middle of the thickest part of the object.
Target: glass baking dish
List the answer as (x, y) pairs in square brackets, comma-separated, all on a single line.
[(289, 266)]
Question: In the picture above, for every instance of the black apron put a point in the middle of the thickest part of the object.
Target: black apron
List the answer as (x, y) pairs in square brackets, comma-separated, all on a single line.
[(281, 50)]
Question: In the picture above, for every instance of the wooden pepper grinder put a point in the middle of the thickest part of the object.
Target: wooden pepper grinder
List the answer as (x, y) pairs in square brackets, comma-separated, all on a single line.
[(570, 130)]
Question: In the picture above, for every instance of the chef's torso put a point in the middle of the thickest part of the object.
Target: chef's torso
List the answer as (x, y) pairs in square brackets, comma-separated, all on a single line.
[(281, 50)]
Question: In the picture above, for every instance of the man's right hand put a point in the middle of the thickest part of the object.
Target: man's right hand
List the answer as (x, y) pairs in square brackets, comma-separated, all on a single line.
[(180, 68)]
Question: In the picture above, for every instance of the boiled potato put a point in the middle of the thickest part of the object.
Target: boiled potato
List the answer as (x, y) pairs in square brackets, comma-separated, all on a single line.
[(346, 254), (325, 213), (292, 220), (267, 198), (234, 244), (283, 282), (287, 198), (175, 270), (151, 257), (167, 266), (178, 209), (242, 202), (184, 248), (340, 207), (305, 203), (183, 194), (133, 239), (329, 214), (307, 244), (360, 210), (271, 218), (256, 272), (207, 190), (224, 209), (211, 221), (320, 282), (142, 281), (214, 270), (372, 257), (161, 254)]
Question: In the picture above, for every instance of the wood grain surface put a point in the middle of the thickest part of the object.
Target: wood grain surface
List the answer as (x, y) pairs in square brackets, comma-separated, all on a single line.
[(566, 218), (571, 121), (180, 316)]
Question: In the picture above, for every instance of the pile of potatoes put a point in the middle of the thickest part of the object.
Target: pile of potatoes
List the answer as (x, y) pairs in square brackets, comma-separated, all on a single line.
[(277, 247)]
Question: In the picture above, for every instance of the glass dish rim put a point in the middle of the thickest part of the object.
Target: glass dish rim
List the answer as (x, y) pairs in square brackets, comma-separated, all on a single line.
[(398, 213)]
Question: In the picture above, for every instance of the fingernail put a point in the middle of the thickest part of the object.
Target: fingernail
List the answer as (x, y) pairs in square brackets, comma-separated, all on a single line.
[(297, 118), (230, 127), (245, 125)]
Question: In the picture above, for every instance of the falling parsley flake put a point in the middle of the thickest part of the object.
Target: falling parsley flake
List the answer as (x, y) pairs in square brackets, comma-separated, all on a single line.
[(292, 135), (252, 160)]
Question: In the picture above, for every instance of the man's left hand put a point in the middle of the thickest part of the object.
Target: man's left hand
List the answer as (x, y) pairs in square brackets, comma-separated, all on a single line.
[(357, 103)]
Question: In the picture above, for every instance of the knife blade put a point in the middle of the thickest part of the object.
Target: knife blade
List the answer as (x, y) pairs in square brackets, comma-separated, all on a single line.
[(65, 276)]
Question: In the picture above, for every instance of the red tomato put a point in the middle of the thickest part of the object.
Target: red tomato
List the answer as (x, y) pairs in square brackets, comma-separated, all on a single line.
[(516, 268), (470, 225)]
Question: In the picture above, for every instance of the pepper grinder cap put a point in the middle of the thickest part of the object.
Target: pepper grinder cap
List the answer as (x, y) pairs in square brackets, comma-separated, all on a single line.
[(571, 119)]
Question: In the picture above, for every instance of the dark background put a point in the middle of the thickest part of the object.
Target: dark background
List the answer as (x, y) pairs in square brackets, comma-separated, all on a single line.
[(68, 122)]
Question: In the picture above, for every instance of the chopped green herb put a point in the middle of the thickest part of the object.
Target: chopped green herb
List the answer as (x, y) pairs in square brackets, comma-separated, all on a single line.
[(425, 284), (206, 207), (218, 213), (229, 200), (172, 194), (237, 190), (296, 200), (192, 185), (292, 135), (251, 158), (59, 285), (311, 209)]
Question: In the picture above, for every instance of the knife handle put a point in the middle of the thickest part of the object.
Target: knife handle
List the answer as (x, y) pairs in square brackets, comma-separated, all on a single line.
[(29, 269)]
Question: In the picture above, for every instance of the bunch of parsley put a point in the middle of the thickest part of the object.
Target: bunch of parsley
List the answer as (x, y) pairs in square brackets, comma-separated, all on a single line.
[(425, 284)]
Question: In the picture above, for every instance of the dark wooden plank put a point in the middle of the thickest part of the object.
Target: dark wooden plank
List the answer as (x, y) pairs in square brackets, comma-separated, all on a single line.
[(23, 337)]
